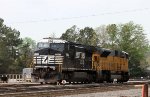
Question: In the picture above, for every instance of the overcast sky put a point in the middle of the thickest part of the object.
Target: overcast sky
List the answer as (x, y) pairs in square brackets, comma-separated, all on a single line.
[(41, 18)]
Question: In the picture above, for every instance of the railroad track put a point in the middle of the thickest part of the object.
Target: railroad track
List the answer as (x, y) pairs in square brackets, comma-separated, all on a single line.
[(34, 90)]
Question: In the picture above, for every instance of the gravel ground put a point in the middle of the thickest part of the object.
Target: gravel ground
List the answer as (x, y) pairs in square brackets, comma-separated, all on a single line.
[(120, 93), (88, 90)]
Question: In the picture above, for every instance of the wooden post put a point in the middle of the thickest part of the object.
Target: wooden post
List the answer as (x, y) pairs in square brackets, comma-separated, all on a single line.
[(145, 90)]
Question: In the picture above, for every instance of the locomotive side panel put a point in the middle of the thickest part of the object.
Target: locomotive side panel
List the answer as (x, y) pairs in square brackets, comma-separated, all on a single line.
[(78, 58)]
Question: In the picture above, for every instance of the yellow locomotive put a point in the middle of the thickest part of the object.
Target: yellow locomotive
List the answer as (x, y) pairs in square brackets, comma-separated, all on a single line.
[(110, 66)]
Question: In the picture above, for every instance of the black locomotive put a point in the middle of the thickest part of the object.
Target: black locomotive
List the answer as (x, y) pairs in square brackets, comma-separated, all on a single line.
[(57, 61)]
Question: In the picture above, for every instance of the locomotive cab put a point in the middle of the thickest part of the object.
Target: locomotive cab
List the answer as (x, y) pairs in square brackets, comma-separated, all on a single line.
[(48, 60)]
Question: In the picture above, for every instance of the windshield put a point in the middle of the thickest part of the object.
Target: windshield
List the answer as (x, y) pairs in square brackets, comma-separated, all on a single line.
[(42, 45), (57, 46)]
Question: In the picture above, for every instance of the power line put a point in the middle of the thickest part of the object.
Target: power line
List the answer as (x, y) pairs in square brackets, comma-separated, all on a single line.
[(78, 17)]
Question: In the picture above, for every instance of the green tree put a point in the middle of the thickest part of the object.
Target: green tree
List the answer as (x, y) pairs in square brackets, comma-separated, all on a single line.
[(71, 34), (26, 50), (112, 31), (9, 40), (15, 53), (128, 37), (87, 36), (103, 37), (133, 40)]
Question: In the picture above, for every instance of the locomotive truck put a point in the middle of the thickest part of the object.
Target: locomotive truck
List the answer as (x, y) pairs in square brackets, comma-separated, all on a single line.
[(59, 60)]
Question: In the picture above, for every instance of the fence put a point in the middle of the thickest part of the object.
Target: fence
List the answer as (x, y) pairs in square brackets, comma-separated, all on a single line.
[(16, 78)]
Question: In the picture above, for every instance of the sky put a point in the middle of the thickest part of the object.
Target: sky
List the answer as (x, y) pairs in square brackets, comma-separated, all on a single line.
[(42, 18)]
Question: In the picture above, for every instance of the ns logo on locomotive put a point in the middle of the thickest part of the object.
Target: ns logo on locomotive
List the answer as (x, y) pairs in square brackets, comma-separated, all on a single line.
[(58, 60)]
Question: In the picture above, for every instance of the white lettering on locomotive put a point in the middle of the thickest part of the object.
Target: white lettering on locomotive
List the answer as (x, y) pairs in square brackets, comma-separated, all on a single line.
[(48, 59)]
